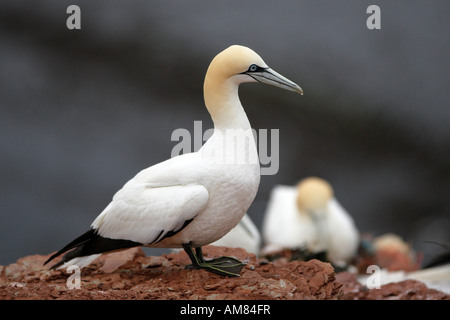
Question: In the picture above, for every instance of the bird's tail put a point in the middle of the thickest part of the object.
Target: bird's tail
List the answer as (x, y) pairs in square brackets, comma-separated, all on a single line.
[(81, 262), (87, 247)]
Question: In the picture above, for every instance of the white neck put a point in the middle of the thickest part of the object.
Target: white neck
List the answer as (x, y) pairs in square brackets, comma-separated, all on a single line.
[(231, 126), (223, 104)]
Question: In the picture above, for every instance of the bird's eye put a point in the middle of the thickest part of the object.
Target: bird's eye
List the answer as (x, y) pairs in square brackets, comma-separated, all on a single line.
[(253, 68)]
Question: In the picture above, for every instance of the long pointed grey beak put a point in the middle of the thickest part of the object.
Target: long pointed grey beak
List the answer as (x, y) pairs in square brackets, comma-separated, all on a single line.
[(269, 76)]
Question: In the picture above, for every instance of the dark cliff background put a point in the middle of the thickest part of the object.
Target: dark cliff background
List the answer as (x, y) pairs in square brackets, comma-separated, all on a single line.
[(82, 111)]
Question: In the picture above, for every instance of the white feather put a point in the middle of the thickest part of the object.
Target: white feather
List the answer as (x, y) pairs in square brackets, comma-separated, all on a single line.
[(140, 212), (244, 235), (201, 185), (81, 262), (283, 225), (343, 236)]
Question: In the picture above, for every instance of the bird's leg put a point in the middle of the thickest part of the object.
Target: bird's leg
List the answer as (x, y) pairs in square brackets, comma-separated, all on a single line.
[(225, 266), (190, 252), (199, 253)]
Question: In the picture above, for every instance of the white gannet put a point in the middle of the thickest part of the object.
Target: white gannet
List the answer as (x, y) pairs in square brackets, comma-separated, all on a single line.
[(399, 263), (244, 235), (308, 216), (193, 199)]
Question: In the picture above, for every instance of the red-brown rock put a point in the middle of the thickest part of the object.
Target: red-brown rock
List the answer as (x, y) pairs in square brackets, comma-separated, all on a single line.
[(403, 290), (132, 275)]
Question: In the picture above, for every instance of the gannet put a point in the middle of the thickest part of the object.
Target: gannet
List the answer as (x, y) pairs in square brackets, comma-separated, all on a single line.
[(193, 199), (308, 216), (399, 262), (244, 235)]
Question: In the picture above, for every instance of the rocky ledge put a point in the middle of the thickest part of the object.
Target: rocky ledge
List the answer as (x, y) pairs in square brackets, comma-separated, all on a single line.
[(130, 274)]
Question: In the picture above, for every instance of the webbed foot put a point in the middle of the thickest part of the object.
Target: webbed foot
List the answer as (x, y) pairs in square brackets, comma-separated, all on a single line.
[(225, 266)]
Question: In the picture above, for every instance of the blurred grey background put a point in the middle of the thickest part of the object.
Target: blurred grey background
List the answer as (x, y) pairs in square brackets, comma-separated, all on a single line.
[(82, 111)]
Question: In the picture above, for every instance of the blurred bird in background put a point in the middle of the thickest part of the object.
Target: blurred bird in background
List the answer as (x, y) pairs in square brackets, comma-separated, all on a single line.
[(309, 217)]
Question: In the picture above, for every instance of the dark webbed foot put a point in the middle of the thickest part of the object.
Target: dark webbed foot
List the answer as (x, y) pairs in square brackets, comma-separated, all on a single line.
[(225, 266)]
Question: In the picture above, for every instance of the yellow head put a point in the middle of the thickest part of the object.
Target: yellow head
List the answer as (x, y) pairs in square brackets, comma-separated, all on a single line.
[(313, 195), (242, 64), (231, 67)]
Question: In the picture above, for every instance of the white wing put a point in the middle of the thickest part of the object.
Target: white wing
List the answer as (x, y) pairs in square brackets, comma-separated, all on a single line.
[(156, 203), (145, 214), (343, 236), (280, 213), (283, 225)]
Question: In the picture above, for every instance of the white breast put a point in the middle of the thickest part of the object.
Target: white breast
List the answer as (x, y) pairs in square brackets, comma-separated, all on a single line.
[(232, 183)]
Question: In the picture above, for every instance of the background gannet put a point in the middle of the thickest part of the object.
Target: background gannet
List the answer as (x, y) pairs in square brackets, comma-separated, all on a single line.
[(397, 261), (193, 199), (308, 216)]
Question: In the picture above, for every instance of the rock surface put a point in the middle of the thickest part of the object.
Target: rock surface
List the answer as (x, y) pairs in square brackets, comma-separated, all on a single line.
[(403, 290), (130, 274)]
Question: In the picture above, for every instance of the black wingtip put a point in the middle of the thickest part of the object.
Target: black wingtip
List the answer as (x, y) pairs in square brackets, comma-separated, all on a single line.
[(51, 258), (90, 243), (56, 265), (85, 237)]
